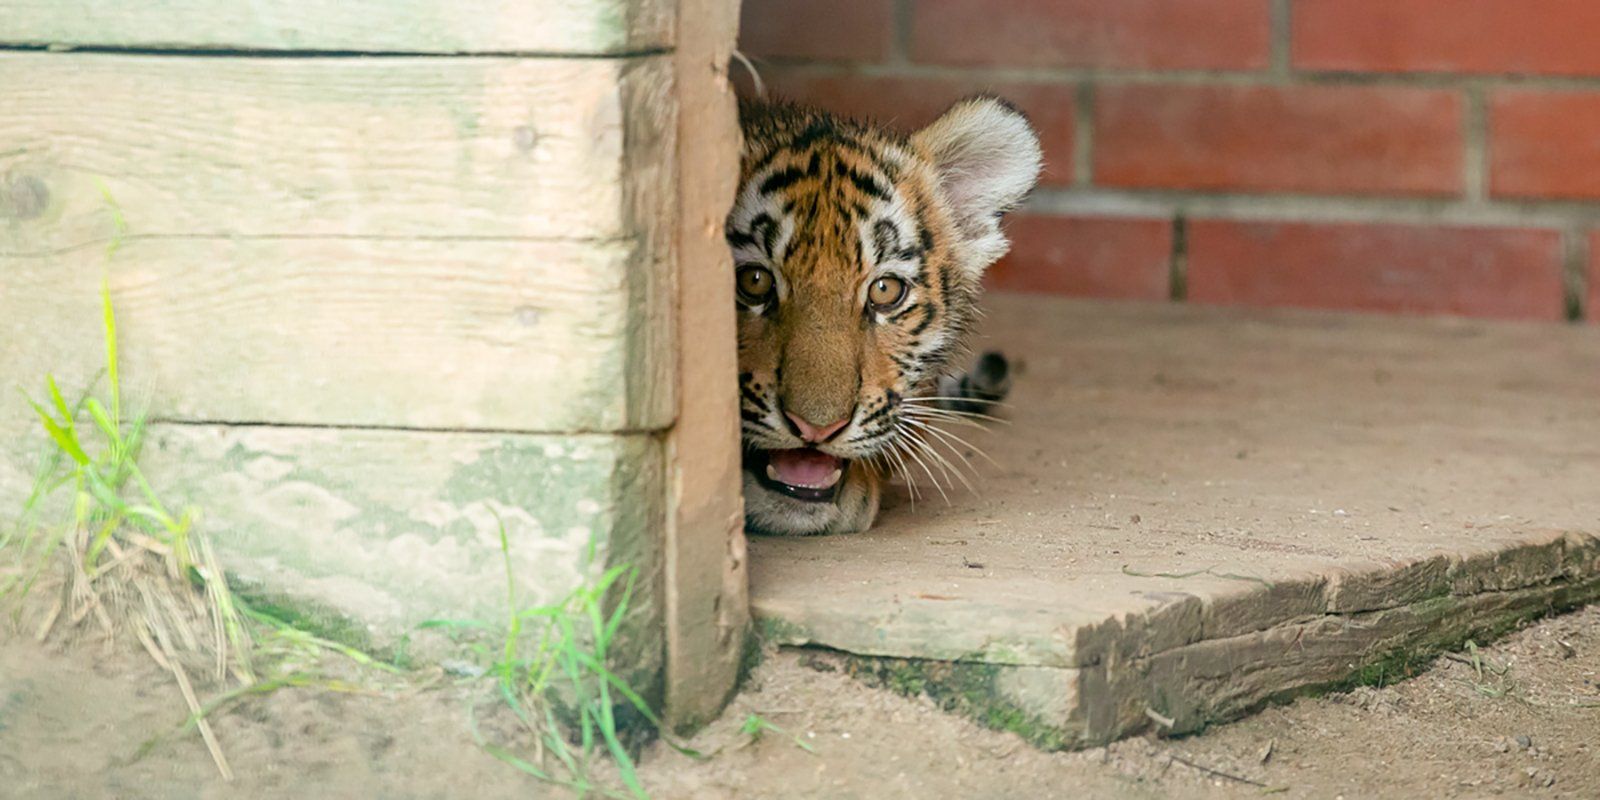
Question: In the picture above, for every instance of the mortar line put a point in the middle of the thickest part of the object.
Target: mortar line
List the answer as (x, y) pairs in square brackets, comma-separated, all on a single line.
[(1280, 39), (1223, 77), (900, 26), (1575, 277), (1104, 201), (1475, 145), (1178, 261), (1083, 135)]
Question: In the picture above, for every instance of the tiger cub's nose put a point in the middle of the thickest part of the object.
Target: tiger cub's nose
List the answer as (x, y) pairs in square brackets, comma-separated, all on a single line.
[(816, 434)]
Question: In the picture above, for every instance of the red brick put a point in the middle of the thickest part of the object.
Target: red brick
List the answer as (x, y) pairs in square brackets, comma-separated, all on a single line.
[(909, 103), (1150, 34), (1086, 257), (1481, 272), (823, 30), (1536, 37), (1331, 139), (1544, 145)]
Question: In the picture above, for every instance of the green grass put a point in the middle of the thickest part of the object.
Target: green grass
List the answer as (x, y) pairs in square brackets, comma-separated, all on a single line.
[(1492, 679), (111, 500), (756, 726), (121, 556), (95, 531), (551, 673), (120, 559)]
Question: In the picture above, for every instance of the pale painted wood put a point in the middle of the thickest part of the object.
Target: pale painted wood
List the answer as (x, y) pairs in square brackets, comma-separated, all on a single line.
[(366, 26), (489, 335), (707, 596), (392, 147), (391, 528), (374, 531)]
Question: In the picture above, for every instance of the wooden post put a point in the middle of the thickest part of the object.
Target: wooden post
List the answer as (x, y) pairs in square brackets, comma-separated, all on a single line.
[(707, 606)]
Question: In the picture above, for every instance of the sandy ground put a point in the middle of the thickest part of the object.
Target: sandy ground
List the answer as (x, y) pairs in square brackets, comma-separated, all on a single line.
[(72, 721)]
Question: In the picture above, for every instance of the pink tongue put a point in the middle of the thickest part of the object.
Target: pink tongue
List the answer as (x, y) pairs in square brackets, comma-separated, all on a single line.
[(804, 467)]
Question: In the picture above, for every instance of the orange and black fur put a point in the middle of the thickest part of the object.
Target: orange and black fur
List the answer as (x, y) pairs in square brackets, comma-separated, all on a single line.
[(858, 255)]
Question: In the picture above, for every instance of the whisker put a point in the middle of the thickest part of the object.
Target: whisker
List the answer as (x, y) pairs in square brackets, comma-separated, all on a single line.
[(925, 427), (893, 451), (949, 468), (917, 457), (957, 452), (967, 418), (939, 405), (949, 437), (936, 398), (956, 412), (945, 416)]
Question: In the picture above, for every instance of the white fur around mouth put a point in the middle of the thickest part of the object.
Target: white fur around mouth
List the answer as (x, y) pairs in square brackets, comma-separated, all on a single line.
[(827, 483)]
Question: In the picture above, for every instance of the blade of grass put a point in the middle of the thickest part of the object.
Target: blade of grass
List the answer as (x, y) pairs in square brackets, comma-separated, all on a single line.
[(102, 419), (64, 440), (109, 319), (60, 402)]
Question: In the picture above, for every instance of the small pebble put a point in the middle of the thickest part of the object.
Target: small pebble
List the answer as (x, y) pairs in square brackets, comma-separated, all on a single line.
[(461, 669), (1524, 741)]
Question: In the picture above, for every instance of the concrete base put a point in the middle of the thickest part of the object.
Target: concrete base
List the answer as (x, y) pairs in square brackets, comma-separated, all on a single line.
[(1197, 512)]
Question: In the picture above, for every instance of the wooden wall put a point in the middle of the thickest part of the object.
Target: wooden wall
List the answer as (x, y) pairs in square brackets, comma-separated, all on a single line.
[(383, 270)]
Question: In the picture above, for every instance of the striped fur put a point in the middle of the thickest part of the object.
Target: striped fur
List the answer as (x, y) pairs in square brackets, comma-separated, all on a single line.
[(830, 216)]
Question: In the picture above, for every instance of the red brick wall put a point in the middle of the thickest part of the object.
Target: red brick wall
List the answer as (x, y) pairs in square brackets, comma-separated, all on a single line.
[(1412, 156)]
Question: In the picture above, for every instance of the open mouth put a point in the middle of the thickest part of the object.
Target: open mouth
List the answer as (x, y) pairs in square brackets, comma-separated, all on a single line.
[(804, 473)]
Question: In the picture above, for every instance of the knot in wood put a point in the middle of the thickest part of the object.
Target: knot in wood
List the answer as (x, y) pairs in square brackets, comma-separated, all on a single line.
[(524, 138), (23, 197)]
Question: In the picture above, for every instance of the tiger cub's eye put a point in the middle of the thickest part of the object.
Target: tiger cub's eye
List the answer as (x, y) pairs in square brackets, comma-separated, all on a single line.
[(886, 293), (755, 285)]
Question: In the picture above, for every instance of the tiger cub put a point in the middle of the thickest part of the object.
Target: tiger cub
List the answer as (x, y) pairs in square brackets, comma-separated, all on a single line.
[(857, 257)]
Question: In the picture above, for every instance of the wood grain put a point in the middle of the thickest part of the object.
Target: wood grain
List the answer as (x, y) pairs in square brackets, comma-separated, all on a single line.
[(365, 26), (376, 531), (707, 596), (488, 335), (395, 147), (391, 528)]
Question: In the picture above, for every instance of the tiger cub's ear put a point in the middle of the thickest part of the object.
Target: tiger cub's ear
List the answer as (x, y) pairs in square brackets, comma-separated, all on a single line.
[(987, 159)]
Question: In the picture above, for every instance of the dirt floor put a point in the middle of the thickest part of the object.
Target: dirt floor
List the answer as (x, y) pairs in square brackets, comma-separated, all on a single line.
[(72, 722)]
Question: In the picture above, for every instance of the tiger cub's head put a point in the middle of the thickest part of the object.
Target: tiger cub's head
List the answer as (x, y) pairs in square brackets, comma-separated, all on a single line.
[(857, 256)]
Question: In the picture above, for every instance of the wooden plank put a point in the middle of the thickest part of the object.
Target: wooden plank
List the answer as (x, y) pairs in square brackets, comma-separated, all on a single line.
[(1221, 678), (486, 335), (93, 146), (707, 596), (1281, 448), (363, 26), (369, 533), (1197, 511), (391, 528)]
